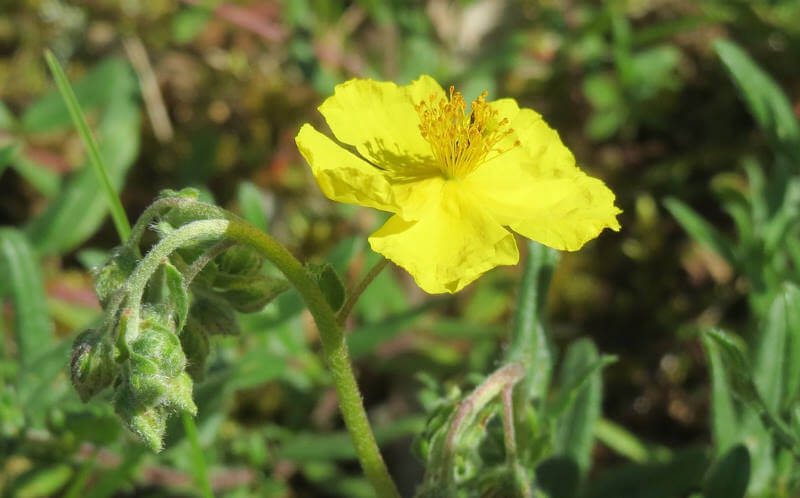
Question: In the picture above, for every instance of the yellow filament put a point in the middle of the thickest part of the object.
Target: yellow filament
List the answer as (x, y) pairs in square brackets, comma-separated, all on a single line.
[(461, 142)]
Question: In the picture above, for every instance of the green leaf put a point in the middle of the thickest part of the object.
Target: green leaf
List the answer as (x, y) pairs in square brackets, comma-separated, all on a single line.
[(737, 366), (41, 178), (657, 480), (528, 341), (574, 384), (699, 229), (178, 296), (767, 103), (329, 283), (253, 206), (7, 155), (187, 24), (559, 477), (19, 270), (575, 428), (7, 120), (43, 482), (104, 82), (724, 420), (81, 205), (777, 363), (728, 478), (95, 159)]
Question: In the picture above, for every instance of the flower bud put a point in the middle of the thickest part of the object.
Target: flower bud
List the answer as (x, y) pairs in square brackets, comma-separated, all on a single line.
[(184, 193), (109, 278), (195, 344), (240, 260), (92, 366), (214, 315), (179, 395), (148, 424), (157, 342), (144, 381), (251, 294)]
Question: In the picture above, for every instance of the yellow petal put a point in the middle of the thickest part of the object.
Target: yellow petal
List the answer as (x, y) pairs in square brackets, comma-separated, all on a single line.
[(452, 244), (379, 119), (536, 189), (343, 176)]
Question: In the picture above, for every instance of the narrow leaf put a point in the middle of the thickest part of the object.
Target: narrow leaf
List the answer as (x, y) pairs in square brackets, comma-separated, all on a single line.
[(575, 428), (724, 420), (95, 159), (767, 103), (729, 476), (178, 296), (19, 269), (528, 341), (699, 229)]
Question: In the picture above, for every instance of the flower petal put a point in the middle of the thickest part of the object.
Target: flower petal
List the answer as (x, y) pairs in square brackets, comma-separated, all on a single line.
[(536, 189), (343, 176), (450, 246), (379, 119)]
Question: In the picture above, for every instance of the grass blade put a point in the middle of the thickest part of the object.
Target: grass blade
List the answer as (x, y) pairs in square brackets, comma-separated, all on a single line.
[(115, 205), (198, 459)]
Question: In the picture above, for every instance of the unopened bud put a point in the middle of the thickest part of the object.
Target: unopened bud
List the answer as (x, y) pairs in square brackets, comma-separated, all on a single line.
[(179, 395), (248, 295), (158, 342), (214, 315), (240, 260), (195, 343), (109, 278), (92, 366)]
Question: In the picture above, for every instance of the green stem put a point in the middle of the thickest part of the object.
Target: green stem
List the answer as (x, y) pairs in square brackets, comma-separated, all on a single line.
[(334, 347), (114, 205), (359, 288), (334, 350), (199, 461), (468, 408)]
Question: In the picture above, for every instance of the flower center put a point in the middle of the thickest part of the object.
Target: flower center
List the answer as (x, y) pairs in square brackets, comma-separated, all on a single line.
[(461, 142)]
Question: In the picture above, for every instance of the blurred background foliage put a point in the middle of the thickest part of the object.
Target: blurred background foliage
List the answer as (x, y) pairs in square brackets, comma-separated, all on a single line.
[(211, 93)]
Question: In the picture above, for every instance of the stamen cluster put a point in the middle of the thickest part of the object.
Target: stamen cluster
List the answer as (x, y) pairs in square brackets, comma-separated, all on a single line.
[(461, 142)]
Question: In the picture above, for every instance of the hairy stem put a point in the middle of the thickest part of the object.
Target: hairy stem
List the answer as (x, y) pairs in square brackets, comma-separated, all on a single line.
[(204, 259), (359, 288), (495, 384), (334, 347), (334, 350)]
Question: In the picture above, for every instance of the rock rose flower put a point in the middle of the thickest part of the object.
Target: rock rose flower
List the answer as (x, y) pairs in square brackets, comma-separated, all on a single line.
[(458, 180)]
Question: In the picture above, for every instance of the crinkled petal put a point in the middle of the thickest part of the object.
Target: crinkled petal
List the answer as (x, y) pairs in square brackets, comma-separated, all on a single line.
[(450, 246), (536, 189), (379, 119), (343, 176)]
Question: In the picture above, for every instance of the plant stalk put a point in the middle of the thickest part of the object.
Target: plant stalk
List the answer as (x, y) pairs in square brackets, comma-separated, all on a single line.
[(334, 347), (359, 288)]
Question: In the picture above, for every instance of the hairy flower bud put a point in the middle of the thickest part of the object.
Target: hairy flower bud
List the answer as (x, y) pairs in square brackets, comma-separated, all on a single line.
[(109, 278), (251, 294), (240, 260), (158, 342), (144, 381), (195, 343), (179, 394), (214, 315), (92, 366)]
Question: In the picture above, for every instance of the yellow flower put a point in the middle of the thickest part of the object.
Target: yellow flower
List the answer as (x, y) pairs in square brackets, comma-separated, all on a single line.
[(457, 181)]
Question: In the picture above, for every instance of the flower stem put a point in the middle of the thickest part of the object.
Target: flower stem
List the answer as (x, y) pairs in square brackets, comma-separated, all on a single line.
[(334, 347), (359, 288), (334, 350)]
